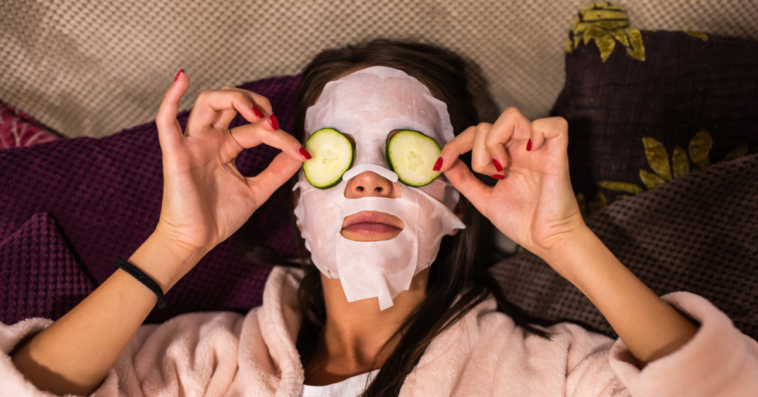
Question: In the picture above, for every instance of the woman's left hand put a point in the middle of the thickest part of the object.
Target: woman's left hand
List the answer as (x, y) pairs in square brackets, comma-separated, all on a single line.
[(533, 202)]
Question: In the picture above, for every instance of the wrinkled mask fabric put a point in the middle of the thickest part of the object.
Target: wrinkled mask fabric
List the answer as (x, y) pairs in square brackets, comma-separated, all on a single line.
[(369, 104)]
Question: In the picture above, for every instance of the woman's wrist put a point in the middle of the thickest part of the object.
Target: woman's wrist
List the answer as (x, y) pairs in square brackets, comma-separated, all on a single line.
[(563, 256), (164, 260)]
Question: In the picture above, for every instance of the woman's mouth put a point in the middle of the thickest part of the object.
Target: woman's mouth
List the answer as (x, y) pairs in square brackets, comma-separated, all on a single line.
[(371, 226)]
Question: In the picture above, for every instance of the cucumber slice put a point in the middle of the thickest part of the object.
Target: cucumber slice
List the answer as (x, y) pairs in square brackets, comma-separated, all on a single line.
[(332, 155), (411, 155)]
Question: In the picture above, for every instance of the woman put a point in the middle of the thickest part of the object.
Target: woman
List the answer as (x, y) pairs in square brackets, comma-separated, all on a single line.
[(445, 328)]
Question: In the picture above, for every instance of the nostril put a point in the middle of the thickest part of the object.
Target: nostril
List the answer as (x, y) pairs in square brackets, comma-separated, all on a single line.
[(379, 189), (360, 188)]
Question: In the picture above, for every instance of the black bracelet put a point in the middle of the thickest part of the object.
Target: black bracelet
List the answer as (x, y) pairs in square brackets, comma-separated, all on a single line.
[(143, 278)]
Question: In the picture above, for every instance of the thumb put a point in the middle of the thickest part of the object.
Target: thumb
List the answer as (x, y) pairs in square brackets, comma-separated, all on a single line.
[(281, 169), (169, 132), (468, 185)]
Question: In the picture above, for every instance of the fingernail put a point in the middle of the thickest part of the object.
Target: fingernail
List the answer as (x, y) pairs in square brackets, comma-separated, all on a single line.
[(498, 167), (438, 165), (257, 112), (497, 176), (529, 145), (304, 153), (179, 73), (273, 121)]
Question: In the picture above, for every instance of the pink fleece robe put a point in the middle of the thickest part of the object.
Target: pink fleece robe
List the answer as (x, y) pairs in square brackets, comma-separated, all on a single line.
[(227, 354)]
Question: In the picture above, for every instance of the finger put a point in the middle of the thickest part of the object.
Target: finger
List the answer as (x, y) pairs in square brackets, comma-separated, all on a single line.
[(481, 161), (261, 101), (463, 143), (552, 131), (468, 185), (225, 117), (251, 135), (275, 175), (210, 104), (509, 129), (169, 131)]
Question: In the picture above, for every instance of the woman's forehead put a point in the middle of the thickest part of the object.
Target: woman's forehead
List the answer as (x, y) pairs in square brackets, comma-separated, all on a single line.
[(377, 100)]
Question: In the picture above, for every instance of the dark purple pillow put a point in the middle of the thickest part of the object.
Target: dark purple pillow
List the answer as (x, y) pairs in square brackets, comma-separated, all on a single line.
[(634, 124), (101, 198)]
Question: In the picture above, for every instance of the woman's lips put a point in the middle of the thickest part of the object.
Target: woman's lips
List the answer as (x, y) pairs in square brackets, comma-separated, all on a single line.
[(372, 223)]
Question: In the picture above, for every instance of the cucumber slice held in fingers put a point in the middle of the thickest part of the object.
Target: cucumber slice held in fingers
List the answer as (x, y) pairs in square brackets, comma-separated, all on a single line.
[(411, 155), (332, 155)]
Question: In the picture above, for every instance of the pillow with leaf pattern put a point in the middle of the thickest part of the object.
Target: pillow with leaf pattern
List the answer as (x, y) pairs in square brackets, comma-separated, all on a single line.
[(647, 106)]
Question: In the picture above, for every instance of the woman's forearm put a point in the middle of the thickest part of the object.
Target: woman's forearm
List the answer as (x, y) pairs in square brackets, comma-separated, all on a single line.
[(74, 354), (649, 327)]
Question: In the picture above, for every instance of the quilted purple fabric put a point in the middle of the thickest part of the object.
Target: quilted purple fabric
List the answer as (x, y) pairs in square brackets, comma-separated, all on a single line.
[(68, 207)]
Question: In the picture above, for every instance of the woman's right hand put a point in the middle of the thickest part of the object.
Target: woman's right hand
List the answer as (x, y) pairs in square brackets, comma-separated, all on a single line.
[(205, 198)]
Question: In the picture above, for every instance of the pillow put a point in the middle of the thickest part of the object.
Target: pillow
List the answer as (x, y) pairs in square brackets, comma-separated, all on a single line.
[(18, 129), (648, 114), (696, 233), (104, 195), (40, 276), (645, 107)]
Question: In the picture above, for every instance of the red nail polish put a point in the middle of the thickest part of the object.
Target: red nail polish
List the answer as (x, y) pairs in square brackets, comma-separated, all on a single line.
[(497, 176), (304, 153), (438, 165), (273, 121), (498, 167), (179, 73), (529, 145), (257, 112)]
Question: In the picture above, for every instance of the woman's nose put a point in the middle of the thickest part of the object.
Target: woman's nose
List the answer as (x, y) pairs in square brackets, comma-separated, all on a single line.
[(370, 184)]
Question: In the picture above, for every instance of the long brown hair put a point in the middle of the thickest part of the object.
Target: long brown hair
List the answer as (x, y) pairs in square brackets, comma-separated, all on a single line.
[(456, 273)]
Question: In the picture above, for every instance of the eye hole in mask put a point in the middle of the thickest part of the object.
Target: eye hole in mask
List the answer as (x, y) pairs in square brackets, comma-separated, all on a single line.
[(333, 154), (411, 155)]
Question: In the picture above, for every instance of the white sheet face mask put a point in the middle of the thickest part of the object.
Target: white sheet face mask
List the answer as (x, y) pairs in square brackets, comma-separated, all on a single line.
[(369, 104)]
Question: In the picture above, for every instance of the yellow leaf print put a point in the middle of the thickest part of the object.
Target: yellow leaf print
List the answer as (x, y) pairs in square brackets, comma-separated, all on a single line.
[(607, 24), (597, 203), (657, 158), (699, 35), (621, 187), (605, 44), (651, 180), (739, 151), (636, 48), (700, 146), (681, 162)]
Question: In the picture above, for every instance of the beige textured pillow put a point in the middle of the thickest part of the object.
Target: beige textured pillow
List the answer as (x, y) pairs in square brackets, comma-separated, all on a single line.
[(92, 68)]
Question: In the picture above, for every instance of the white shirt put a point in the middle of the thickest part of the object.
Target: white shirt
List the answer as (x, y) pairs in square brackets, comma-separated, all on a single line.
[(350, 387)]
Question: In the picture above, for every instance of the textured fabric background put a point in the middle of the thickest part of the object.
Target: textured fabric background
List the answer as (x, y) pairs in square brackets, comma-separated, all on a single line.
[(697, 233), (91, 68), (18, 129), (68, 207), (684, 86)]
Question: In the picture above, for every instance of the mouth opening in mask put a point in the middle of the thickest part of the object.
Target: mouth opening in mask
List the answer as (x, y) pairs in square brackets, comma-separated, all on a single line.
[(371, 226)]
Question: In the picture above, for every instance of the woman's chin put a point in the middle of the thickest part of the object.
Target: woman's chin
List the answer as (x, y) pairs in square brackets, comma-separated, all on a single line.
[(370, 232)]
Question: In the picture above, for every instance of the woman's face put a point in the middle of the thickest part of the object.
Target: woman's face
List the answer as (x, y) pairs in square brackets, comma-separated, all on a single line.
[(371, 231)]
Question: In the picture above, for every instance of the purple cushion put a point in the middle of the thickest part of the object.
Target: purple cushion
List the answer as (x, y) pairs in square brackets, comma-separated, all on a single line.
[(40, 276), (105, 195)]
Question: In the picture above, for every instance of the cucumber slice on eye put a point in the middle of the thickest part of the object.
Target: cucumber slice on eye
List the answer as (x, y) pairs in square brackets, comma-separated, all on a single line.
[(411, 155), (332, 155)]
